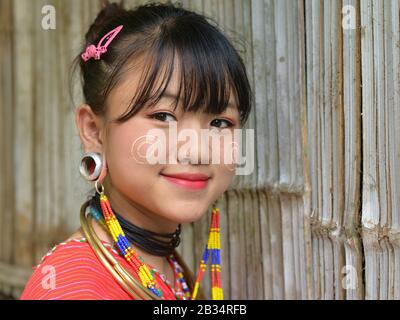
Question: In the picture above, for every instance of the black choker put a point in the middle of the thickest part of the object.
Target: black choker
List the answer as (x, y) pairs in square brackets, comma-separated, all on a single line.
[(157, 244)]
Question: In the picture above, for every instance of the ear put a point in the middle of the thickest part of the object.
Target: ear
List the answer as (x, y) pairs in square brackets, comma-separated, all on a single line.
[(91, 128)]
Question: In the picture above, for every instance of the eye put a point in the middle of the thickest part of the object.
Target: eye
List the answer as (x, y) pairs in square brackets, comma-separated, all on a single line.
[(225, 123), (162, 116)]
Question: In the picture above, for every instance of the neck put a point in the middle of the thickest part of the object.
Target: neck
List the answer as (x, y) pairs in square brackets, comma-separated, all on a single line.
[(142, 218)]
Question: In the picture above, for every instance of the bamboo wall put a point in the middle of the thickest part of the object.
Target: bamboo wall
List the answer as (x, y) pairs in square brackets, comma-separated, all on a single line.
[(318, 218)]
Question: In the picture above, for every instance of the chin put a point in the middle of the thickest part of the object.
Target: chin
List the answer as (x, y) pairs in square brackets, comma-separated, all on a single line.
[(185, 216)]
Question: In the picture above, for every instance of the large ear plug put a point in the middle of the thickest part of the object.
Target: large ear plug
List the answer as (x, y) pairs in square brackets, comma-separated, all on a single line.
[(91, 166)]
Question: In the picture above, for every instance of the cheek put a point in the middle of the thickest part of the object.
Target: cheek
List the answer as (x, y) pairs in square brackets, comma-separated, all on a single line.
[(223, 176), (126, 150), (224, 170), (225, 153)]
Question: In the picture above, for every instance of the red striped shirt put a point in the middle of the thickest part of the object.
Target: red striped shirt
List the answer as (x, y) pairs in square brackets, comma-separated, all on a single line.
[(72, 271)]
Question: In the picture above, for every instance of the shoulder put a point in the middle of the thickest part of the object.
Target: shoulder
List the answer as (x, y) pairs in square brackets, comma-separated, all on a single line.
[(71, 270)]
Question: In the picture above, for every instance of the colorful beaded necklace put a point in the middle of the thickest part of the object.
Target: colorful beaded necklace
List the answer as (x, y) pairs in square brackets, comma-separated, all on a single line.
[(214, 247), (110, 223)]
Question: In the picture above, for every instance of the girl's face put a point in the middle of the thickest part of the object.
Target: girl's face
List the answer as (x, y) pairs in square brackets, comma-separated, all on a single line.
[(145, 185)]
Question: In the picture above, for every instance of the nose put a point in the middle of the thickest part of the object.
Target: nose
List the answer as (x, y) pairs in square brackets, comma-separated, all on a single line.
[(192, 144)]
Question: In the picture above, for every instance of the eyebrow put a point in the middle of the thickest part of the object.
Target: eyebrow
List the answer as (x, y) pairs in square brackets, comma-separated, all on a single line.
[(170, 95)]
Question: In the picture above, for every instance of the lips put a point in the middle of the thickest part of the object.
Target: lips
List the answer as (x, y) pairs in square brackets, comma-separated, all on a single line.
[(188, 180)]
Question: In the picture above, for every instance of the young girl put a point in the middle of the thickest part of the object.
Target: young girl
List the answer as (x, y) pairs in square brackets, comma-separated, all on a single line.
[(145, 73)]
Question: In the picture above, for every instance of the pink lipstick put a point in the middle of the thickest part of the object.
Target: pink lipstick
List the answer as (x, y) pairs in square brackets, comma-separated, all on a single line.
[(193, 181)]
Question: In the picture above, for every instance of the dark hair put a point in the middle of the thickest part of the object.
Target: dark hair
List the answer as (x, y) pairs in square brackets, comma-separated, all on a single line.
[(161, 32)]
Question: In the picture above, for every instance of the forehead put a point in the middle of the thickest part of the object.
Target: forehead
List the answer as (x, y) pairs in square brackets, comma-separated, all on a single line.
[(167, 88)]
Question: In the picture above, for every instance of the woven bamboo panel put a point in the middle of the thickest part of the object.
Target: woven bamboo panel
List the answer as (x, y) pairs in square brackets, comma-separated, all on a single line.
[(380, 201)]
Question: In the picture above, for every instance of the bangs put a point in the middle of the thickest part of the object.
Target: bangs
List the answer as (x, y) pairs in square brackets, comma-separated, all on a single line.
[(209, 70)]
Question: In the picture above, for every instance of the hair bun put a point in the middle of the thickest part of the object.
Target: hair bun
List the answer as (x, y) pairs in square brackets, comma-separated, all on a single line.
[(107, 13)]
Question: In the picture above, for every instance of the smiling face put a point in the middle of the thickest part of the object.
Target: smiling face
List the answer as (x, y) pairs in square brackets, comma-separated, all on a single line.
[(151, 188), (159, 195)]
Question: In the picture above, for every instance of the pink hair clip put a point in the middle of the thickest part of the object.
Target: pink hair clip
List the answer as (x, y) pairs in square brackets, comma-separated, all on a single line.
[(95, 52)]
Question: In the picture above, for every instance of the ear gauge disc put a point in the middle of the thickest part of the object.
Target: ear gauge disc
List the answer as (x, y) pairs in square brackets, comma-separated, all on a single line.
[(91, 165)]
